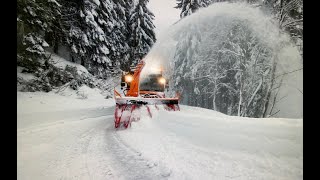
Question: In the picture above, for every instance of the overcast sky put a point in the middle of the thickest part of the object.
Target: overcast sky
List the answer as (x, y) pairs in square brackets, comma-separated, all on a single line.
[(165, 14)]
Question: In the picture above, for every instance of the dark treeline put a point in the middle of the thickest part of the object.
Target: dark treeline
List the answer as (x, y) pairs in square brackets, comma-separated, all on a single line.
[(98, 34)]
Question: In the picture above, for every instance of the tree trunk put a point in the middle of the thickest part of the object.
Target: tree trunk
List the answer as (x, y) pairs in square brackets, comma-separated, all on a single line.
[(72, 59), (214, 102), (253, 95), (55, 46), (230, 108), (240, 101), (82, 61), (214, 97), (240, 93), (275, 97), (267, 101)]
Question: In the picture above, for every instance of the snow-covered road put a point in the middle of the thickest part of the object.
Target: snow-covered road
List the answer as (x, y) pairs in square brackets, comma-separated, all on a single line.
[(66, 148), (81, 143)]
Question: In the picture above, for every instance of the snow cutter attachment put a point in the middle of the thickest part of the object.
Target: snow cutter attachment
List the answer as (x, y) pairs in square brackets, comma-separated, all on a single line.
[(138, 94)]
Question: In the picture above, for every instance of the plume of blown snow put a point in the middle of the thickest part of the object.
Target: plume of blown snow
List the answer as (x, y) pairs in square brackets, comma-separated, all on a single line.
[(214, 23)]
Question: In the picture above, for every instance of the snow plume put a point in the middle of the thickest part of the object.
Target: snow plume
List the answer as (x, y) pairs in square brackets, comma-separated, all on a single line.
[(243, 53)]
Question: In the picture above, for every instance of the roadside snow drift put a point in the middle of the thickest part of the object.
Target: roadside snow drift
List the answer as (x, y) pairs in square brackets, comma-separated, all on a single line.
[(196, 143)]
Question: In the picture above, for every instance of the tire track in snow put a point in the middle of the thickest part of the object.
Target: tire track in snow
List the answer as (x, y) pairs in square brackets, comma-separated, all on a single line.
[(73, 151), (131, 163), (72, 164), (97, 160)]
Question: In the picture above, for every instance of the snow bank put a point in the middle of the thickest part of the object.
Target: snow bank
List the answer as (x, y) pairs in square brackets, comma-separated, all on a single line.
[(33, 102), (34, 108), (62, 63), (63, 98), (24, 76), (197, 143)]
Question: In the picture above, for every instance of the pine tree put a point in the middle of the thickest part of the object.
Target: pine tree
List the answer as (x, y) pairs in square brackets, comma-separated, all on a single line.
[(35, 19), (121, 32), (187, 7), (98, 33), (127, 57), (99, 21), (73, 28), (142, 31), (205, 3)]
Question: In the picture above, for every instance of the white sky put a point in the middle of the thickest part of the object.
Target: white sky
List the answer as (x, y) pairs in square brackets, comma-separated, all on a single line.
[(165, 14)]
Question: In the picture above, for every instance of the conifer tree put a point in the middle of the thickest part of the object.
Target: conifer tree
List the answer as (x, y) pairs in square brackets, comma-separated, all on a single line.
[(142, 31)]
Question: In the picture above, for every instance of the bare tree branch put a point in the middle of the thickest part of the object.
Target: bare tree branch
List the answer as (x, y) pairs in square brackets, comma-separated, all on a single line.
[(289, 72), (276, 95), (274, 113)]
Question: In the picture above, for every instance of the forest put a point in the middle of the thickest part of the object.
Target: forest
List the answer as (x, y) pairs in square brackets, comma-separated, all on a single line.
[(235, 76)]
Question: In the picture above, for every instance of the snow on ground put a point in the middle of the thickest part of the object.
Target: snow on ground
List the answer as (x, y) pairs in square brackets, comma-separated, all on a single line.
[(24, 76), (62, 137), (34, 107), (196, 143), (85, 97), (62, 63)]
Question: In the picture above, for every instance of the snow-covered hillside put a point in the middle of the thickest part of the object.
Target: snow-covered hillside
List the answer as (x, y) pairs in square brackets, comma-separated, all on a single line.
[(62, 137)]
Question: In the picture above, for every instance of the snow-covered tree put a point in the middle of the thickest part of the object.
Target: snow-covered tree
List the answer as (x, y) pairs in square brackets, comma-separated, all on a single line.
[(100, 34), (289, 14), (185, 56), (121, 32), (35, 19), (227, 70), (99, 21), (74, 26), (190, 6), (90, 33), (253, 67), (142, 31), (234, 71), (187, 7), (205, 3)]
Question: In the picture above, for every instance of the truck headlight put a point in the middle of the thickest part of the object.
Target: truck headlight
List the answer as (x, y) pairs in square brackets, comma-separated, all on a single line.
[(162, 80), (128, 78)]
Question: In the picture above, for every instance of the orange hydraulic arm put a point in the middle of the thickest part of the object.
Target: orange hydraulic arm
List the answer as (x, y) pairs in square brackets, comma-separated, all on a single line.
[(134, 86)]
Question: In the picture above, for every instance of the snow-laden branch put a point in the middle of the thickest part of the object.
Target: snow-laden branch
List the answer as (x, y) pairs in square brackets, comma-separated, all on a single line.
[(291, 22), (274, 114), (227, 50), (255, 92), (288, 72)]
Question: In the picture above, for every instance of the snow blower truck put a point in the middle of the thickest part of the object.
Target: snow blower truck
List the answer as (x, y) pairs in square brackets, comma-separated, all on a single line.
[(136, 94)]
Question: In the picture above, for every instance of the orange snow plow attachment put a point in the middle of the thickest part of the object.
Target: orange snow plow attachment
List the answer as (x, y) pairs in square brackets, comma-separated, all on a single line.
[(138, 94)]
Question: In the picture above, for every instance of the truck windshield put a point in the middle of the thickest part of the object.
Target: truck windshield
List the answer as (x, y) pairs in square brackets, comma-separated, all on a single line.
[(151, 83)]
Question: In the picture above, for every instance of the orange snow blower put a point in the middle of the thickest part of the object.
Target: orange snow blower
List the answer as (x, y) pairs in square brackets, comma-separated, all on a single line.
[(138, 94)]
